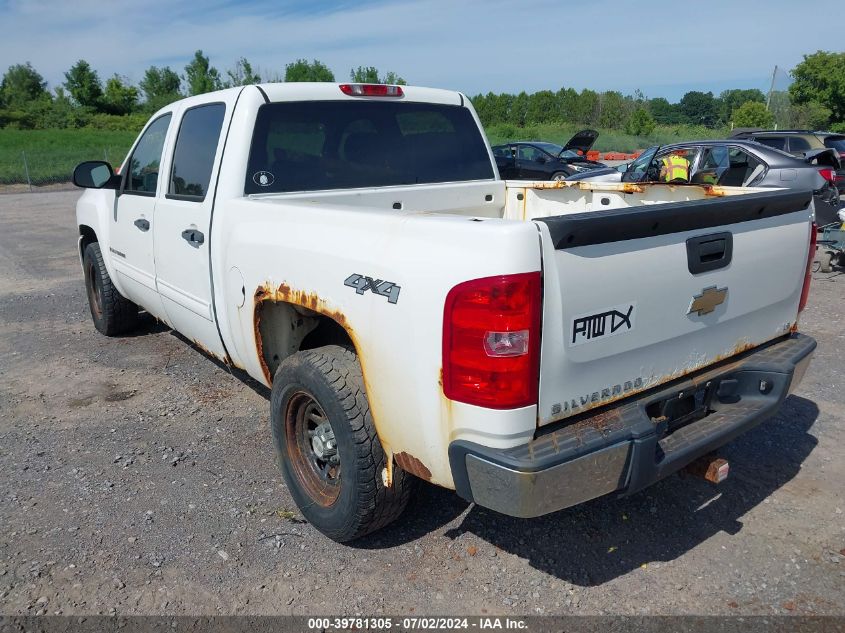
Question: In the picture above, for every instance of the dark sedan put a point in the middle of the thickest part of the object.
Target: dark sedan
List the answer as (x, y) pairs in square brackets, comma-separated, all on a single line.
[(537, 160)]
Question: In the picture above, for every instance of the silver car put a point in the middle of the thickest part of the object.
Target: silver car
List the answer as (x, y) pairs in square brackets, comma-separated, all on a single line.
[(734, 163)]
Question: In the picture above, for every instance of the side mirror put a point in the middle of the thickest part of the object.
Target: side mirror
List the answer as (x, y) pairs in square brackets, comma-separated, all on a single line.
[(541, 160), (95, 174)]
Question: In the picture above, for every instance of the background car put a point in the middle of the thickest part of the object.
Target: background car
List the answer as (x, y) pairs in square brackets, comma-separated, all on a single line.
[(806, 143), (734, 163), (538, 160)]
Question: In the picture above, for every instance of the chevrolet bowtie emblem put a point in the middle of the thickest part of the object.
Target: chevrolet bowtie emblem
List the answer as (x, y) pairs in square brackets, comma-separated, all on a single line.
[(707, 301)]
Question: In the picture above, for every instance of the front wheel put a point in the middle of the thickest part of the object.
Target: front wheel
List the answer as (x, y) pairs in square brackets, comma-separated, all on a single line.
[(328, 449), (559, 175), (111, 312)]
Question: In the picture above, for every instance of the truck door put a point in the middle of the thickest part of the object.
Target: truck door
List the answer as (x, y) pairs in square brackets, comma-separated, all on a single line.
[(131, 235), (182, 223)]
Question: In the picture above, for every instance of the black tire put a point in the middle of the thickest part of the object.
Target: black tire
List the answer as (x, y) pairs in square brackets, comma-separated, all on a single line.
[(111, 312), (350, 500), (559, 175)]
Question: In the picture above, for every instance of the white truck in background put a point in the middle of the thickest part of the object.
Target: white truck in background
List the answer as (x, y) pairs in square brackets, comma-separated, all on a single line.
[(530, 345)]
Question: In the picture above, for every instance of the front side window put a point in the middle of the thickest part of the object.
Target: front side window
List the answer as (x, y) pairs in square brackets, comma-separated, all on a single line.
[(319, 145), (196, 147), (637, 170), (143, 165)]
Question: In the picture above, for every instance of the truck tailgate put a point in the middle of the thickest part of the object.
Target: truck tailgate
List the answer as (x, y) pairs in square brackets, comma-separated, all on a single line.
[(639, 296)]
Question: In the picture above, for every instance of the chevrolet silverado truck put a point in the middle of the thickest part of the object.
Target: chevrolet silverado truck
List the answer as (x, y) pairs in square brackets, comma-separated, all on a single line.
[(531, 345)]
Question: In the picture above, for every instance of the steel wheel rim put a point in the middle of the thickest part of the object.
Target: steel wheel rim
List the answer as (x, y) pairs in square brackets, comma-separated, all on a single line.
[(318, 473), (94, 292)]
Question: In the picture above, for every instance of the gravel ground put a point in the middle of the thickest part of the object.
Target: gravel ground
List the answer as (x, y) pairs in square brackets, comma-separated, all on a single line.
[(138, 477)]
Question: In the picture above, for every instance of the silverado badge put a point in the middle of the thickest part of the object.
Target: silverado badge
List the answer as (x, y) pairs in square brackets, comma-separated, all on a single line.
[(707, 301)]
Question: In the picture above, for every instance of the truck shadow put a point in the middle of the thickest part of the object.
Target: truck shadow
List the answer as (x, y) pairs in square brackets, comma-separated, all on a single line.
[(591, 544), (596, 542)]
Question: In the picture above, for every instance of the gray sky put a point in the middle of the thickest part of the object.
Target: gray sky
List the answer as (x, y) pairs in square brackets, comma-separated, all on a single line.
[(468, 45)]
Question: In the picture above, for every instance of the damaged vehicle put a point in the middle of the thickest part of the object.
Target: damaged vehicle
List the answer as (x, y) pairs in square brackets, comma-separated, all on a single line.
[(537, 160), (735, 163), (531, 345)]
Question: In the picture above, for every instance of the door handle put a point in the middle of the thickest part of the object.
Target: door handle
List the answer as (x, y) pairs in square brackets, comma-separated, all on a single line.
[(709, 252), (142, 224), (193, 237)]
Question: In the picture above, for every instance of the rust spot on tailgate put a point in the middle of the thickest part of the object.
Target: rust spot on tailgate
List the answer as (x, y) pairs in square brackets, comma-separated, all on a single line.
[(411, 464)]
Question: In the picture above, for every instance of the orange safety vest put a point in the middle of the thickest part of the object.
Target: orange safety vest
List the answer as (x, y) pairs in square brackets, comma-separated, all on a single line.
[(677, 167)]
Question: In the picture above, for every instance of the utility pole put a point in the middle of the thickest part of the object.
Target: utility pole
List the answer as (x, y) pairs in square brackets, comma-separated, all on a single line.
[(771, 88)]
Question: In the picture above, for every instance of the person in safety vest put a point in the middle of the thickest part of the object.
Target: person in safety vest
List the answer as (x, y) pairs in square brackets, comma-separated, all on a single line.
[(674, 167)]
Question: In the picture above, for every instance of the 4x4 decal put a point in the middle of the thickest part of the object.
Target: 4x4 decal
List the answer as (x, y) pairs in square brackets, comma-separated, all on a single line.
[(377, 286)]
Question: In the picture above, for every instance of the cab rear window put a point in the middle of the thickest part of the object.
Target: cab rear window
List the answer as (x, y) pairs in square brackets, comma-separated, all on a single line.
[(318, 145)]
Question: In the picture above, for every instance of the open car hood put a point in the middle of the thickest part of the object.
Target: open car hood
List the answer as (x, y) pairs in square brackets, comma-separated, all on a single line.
[(582, 141)]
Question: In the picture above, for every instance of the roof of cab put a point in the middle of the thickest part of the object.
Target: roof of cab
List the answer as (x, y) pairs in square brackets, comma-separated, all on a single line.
[(323, 91)]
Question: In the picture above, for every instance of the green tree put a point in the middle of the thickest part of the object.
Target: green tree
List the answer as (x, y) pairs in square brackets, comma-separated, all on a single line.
[(811, 115), (393, 79), (730, 100), (364, 75), (519, 109), (303, 70), (83, 85), (161, 86), (542, 107), (370, 75), (22, 84), (664, 113), (613, 112), (119, 96), (588, 109), (699, 108), (640, 123), (242, 74), (820, 78), (201, 76), (752, 114), (567, 104)]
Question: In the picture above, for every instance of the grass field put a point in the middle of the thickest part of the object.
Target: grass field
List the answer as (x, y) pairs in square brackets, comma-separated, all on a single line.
[(51, 155)]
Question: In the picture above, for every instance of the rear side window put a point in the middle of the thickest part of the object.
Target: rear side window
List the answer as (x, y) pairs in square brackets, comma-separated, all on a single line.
[(143, 165), (317, 145), (798, 144), (836, 142), (196, 146), (778, 142)]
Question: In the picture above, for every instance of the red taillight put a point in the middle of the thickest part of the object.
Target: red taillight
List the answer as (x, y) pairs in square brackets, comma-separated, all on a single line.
[(371, 90), (491, 341), (808, 273), (828, 174)]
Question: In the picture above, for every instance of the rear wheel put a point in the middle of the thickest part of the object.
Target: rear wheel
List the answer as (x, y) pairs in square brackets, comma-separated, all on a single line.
[(111, 312), (329, 452)]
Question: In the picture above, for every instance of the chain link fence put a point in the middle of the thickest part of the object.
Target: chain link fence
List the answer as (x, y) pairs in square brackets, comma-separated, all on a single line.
[(49, 168)]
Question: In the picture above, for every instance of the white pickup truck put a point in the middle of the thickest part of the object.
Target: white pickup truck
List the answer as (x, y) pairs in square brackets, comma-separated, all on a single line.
[(530, 345)]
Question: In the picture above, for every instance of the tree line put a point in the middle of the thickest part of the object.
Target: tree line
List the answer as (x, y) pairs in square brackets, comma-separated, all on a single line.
[(815, 99), (84, 100)]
